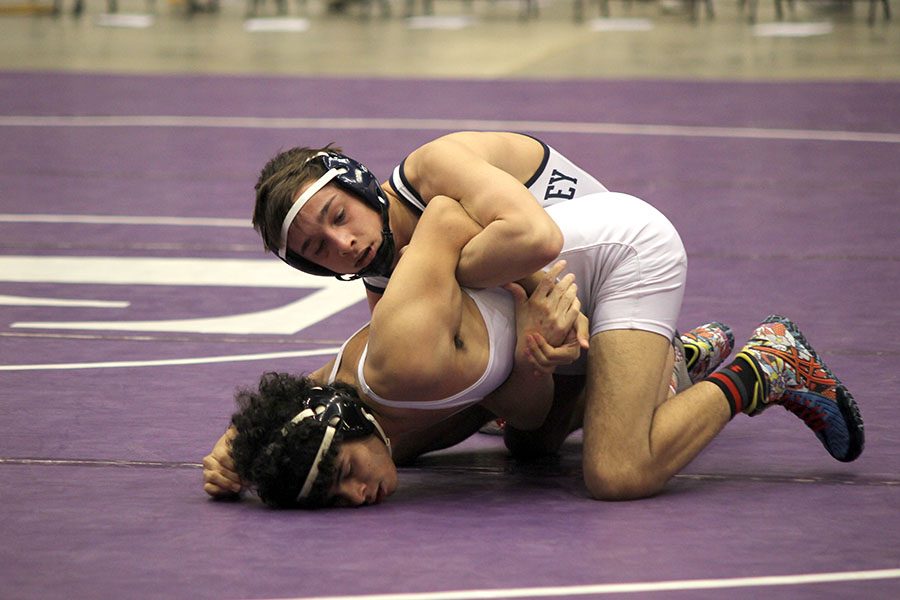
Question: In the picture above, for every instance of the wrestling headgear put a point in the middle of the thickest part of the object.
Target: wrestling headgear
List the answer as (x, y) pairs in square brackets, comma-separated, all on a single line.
[(359, 181), (341, 412)]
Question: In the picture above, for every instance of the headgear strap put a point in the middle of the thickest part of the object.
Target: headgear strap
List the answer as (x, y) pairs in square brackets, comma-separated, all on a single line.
[(300, 202)]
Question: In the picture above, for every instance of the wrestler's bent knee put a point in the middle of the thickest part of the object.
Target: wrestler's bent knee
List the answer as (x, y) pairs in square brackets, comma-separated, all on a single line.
[(625, 482)]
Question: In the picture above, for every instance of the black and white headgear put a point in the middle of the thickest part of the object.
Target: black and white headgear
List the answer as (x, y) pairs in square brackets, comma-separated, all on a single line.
[(341, 412), (359, 181)]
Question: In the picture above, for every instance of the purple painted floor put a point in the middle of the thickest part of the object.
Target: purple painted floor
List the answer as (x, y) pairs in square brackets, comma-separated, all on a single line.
[(790, 205)]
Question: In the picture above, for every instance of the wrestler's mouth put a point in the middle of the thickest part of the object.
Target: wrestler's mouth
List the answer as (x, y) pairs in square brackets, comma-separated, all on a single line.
[(364, 258), (381, 494)]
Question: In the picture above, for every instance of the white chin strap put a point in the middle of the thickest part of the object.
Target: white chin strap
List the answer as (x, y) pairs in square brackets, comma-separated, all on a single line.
[(300, 202)]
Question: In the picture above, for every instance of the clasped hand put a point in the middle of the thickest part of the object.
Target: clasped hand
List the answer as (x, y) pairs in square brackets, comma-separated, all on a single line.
[(551, 329)]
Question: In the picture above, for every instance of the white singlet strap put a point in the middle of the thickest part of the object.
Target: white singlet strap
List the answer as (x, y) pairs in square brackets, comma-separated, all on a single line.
[(300, 202)]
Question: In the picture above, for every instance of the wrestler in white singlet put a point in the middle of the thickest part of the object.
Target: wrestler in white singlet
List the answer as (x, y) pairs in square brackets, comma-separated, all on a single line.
[(630, 267)]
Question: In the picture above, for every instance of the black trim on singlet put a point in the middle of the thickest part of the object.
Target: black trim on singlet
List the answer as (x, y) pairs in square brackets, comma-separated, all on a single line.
[(394, 187), (408, 186), (407, 183), (544, 161), (373, 288)]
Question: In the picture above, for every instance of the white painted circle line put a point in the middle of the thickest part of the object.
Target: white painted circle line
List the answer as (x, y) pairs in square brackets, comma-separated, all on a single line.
[(450, 125), (203, 360), (125, 220), (620, 588)]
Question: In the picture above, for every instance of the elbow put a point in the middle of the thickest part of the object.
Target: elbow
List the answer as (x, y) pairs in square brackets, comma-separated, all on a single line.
[(548, 244), (536, 235)]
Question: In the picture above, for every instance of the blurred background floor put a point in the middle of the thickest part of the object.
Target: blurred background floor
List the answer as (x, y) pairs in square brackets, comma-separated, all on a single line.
[(485, 39)]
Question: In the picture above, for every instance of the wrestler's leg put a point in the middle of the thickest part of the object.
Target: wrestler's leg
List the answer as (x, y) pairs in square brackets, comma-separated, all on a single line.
[(635, 440), (710, 344)]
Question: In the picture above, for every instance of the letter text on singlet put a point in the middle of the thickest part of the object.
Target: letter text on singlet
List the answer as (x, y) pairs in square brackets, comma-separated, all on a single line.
[(558, 188)]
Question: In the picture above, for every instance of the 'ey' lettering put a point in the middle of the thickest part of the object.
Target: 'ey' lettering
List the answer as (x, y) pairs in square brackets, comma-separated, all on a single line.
[(557, 188)]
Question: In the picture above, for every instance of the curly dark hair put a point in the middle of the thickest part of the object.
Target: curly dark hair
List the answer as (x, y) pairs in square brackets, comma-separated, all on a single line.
[(278, 182), (274, 463)]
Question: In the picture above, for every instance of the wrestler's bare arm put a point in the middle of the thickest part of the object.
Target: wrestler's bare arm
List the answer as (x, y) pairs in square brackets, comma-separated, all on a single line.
[(475, 168), (414, 347), (449, 432)]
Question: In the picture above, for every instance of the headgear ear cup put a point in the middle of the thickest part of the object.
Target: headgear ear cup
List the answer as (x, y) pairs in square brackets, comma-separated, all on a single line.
[(343, 414)]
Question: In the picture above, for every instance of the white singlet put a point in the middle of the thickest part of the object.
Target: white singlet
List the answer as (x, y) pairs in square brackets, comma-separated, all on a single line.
[(498, 312), (629, 263)]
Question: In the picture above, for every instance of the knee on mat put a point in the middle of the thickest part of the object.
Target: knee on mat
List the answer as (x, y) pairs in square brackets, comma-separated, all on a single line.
[(621, 482)]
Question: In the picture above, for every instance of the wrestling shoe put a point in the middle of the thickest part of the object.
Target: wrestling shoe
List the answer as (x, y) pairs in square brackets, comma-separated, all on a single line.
[(792, 374), (705, 347)]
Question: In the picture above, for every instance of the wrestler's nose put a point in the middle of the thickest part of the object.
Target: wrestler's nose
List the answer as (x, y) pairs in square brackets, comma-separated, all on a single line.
[(353, 492), (345, 243)]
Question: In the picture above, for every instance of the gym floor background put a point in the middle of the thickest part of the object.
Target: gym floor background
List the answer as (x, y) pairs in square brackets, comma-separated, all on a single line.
[(135, 297)]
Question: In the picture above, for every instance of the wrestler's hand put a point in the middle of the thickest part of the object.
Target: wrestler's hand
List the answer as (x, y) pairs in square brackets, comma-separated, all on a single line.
[(544, 358), (550, 327), (543, 284), (580, 332), (219, 477)]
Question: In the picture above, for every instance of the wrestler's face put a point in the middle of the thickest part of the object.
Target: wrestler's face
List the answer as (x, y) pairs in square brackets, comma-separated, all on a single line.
[(365, 473), (335, 230)]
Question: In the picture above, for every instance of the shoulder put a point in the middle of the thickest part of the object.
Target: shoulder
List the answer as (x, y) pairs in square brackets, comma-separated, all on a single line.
[(482, 156), (433, 154), (408, 373), (487, 145)]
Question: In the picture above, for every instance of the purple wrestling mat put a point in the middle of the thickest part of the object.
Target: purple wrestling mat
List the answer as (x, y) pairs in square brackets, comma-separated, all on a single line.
[(135, 298)]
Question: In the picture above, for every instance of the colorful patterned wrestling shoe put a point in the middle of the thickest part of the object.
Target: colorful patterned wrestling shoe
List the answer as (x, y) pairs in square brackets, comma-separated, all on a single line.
[(792, 374), (705, 347)]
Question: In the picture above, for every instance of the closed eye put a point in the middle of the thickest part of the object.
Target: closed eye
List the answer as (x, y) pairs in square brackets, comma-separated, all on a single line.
[(336, 499)]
